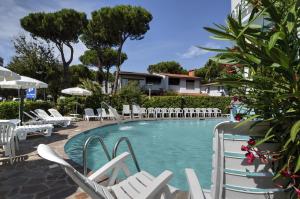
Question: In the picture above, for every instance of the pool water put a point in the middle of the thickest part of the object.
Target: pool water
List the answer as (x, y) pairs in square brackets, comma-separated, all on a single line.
[(158, 145)]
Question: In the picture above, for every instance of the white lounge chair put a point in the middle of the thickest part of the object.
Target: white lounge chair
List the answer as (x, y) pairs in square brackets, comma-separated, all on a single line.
[(165, 112), (171, 112), (136, 111), (199, 112), (192, 112), (158, 112), (217, 112), (89, 114), (151, 112), (51, 120), (126, 112), (56, 113), (143, 112), (186, 112), (102, 113), (178, 112), (43, 129), (141, 185), (7, 139), (232, 176)]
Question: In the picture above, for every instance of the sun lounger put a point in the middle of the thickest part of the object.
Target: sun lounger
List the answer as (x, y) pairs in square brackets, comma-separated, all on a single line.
[(43, 129), (141, 185), (51, 120), (89, 113), (55, 113), (126, 112)]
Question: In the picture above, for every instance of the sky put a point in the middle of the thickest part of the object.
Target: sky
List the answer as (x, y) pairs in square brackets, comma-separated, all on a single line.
[(175, 30)]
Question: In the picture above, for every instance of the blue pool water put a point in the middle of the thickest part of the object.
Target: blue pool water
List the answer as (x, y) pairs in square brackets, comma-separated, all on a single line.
[(158, 145)]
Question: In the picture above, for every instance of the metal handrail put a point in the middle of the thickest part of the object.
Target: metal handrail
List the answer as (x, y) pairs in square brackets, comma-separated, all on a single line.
[(84, 155), (117, 116), (114, 154)]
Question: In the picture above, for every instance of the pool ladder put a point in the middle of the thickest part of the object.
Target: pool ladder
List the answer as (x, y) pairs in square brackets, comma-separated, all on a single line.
[(114, 152)]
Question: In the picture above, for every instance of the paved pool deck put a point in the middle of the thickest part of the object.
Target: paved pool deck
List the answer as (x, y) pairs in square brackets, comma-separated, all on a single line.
[(35, 178)]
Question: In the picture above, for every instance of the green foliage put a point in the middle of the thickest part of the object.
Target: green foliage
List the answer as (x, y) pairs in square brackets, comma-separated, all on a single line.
[(131, 93), (188, 101), (62, 28), (78, 72), (10, 109), (210, 72), (67, 105), (37, 60), (112, 26), (90, 58), (166, 67), (272, 55)]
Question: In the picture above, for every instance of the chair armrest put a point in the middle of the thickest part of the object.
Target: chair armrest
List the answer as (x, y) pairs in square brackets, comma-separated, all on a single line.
[(195, 187), (116, 162), (157, 185)]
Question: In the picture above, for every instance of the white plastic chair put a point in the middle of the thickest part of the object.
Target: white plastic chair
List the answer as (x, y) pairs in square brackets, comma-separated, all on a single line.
[(158, 112), (141, 185), (172, 112), (198, 112), (186, 112), (178, 112), (203, 111), (151, 112), (192, 112), (164, 112), (89, 114), (126, 112), (136, 111), (232, 176), (8, 139), (143, 112), (102, 113), (217, 112)]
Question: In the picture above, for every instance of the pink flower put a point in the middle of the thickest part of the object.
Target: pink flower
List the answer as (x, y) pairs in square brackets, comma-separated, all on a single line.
[(285, 173), (250, 157), (235, 98), (251, 142), (245, 148), (238, 117), (298, 192)]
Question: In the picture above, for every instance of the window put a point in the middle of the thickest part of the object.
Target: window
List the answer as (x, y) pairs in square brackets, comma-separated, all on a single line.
[(174, 81), (190, 84), (153, 80)]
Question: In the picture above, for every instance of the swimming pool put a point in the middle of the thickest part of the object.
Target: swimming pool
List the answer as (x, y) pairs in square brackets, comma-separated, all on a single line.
[(158, 145)]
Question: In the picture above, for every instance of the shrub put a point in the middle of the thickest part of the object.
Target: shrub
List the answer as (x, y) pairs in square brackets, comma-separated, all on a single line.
[(10, 109), (131, 93), (188, 101)]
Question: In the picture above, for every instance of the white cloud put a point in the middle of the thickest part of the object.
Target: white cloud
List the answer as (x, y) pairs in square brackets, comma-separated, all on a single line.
[(193, 51)]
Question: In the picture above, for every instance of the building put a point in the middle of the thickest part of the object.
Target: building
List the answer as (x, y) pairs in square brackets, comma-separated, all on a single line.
[(158, 83)]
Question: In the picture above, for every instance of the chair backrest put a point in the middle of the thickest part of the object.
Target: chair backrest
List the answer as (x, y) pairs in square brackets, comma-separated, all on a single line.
[(54, 112), (43, 114), (171, 110), (126, 109), (150, 110), (143, 110), (164, 110), (136, 108), (6, 132), (232, 176), (89, 112), (30, 116), (92, 188), (177, 109)]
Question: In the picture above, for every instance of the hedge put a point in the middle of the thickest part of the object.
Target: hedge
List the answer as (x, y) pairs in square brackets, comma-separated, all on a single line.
[(10, 109), (188, 102)]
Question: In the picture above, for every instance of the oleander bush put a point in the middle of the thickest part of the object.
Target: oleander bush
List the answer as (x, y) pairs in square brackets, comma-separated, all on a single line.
[(188, 101), (10, 109)]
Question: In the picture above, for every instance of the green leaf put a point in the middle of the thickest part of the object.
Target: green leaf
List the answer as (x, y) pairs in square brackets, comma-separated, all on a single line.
[(263, 140), (213, 49), (295, 130), (275, 37), (297, 165), (220, 33), (246, 121), (287, 143), (252, 58)]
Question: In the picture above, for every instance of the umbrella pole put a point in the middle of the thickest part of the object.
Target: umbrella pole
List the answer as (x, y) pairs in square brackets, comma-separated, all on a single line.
[(76, 103), (21, 105)]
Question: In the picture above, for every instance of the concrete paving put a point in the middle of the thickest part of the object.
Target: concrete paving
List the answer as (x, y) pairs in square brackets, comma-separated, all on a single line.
[(35, 178)]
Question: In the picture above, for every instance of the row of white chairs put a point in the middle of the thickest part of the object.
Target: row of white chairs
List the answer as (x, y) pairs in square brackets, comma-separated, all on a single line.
[(100, 114), (139, 112)]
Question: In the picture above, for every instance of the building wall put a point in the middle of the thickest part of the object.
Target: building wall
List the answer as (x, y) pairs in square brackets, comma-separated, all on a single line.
[(234, 3)]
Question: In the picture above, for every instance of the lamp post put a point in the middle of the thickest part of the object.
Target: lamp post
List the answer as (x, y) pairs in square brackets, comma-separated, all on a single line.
[(149, 88)]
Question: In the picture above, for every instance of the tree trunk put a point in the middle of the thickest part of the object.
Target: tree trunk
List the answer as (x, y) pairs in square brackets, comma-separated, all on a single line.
[(118, 66), (106, 80), (65, 63)]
